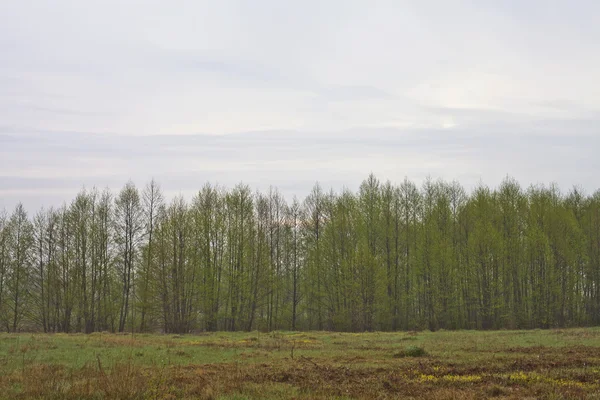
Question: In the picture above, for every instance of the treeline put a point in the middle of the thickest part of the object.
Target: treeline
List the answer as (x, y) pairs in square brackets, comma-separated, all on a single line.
[(389, 257)]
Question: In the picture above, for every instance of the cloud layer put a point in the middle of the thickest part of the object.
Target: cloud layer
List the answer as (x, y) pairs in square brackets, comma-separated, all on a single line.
[(47, 168), (97, 92)]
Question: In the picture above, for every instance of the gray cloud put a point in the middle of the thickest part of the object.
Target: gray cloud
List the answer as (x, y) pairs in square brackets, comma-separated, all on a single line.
[(58, 163), (94, 93)]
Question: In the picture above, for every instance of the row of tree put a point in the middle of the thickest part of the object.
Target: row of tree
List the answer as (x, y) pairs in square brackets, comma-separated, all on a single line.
[(388, 257)]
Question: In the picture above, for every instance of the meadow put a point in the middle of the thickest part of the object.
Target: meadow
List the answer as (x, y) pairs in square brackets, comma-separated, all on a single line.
[(552, 364)]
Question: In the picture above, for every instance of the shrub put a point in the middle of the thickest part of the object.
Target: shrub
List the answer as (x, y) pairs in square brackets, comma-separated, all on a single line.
[(411, 351)]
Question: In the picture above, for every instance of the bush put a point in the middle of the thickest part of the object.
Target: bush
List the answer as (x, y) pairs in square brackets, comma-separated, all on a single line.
[(411, 351)]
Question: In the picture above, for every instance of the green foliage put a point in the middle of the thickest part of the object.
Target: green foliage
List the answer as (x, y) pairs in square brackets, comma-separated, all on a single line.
[(411, 351), (387, 257)]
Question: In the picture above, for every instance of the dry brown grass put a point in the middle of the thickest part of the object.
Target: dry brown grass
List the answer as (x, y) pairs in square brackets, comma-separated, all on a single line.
[(311, 378), (324, 366)]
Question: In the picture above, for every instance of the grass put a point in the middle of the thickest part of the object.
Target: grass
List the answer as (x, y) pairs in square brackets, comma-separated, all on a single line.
[(551, 364)]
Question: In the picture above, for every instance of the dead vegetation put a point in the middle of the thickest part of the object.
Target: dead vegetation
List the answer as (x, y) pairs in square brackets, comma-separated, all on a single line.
[(310, 378), (265, 367)]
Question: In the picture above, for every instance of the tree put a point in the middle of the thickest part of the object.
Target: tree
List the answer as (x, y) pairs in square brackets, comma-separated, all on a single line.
[(128, 233), (315, 218), (20, 244), (295, 257), (385, 257), (209, 216), (4, 268), (153, 204)]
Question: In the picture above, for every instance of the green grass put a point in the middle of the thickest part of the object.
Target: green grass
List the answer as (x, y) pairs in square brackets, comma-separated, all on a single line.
[(549, 364)]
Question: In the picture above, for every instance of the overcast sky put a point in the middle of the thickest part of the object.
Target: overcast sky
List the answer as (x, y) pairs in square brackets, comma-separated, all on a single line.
[(97, 92)]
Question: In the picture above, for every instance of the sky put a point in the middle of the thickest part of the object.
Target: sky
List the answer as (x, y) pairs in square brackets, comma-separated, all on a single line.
[(95, 93)]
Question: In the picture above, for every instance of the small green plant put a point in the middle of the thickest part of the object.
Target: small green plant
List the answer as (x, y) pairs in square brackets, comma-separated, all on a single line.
[(411, 351)]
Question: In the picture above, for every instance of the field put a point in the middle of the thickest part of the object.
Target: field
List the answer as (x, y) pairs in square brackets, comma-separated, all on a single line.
[(551, 364)]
